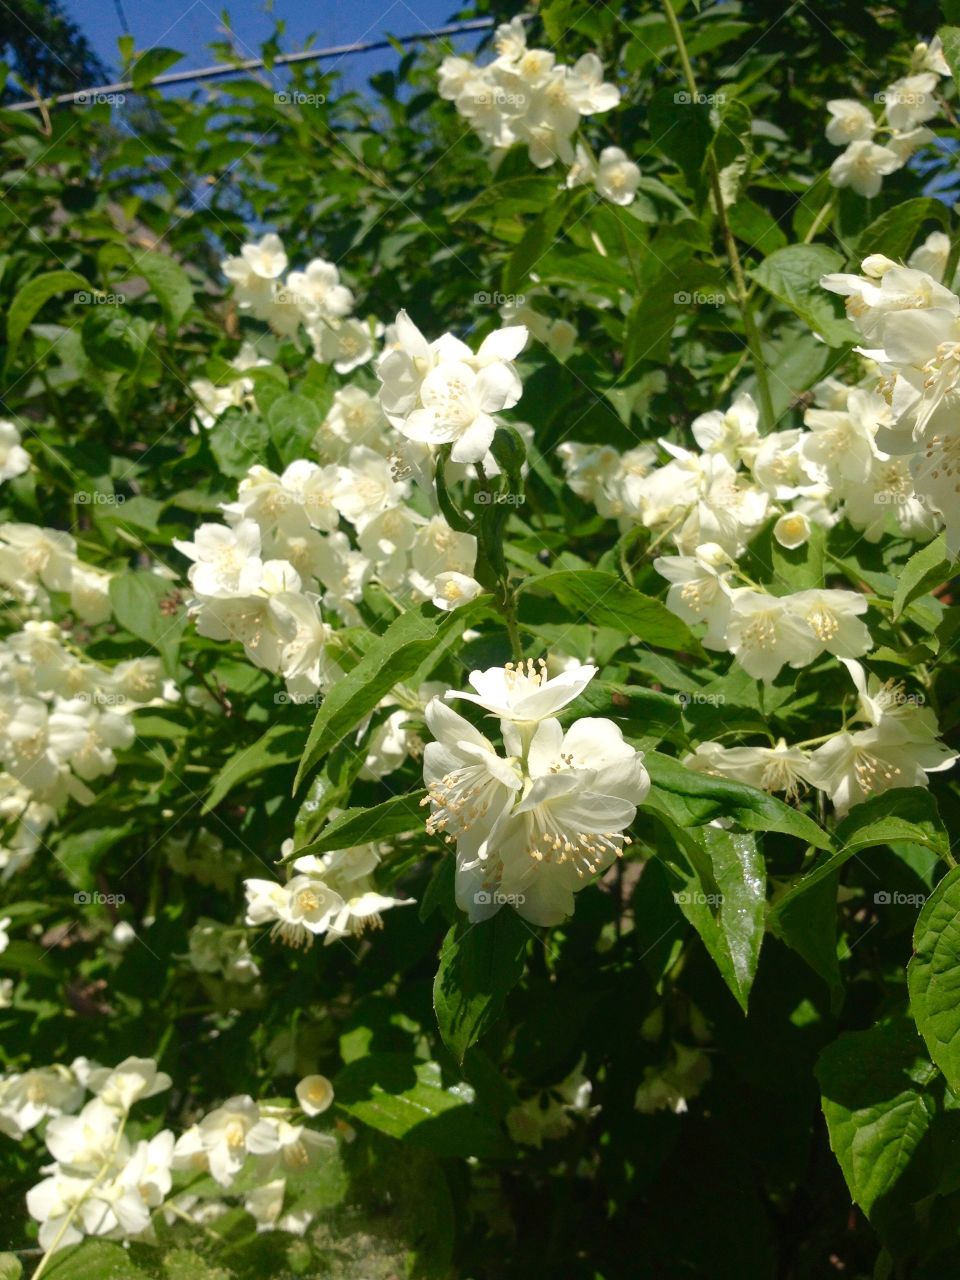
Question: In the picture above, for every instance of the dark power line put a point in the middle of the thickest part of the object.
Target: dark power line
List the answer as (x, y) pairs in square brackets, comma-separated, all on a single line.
[(219, 70)]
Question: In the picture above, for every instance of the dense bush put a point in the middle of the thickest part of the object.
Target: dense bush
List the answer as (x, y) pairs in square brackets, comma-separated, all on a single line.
[(477, 661)]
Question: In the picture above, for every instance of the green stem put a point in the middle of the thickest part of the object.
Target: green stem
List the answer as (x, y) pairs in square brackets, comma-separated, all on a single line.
[(750, 330)]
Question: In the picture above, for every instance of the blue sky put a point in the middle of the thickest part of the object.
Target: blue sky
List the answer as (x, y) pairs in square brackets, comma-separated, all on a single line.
[(190, 26)]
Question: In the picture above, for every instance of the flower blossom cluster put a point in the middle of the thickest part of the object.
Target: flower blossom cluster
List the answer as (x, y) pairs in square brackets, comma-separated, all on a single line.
[(524, 95), (268, 575), (532, 826), (331, 894), (35, 562), (876, 147), (14, 459), (213, 399), (897, 745), (63, 719), (314, 299), (101, 1183), (909, 322)]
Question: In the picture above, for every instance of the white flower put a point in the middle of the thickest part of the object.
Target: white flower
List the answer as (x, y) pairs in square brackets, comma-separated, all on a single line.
[(584, 789), (700, 590), (863, 166), (468, 785), (911, 100), (452, 590), (525, 693), (318, 290), (792, 530), (765, 633), (734, 433), (359, 912), (301, 909), (851, 767), (346, 344), (14, 459), (223, 1134), (226, 562), (123, 1085), (315, 1094), (441, 393), (834, 618), (850, 121)]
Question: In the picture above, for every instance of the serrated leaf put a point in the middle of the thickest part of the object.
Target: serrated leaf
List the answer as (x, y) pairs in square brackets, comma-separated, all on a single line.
[(405, 1097), (792, 276), (877, 1112), (30, 298), (169, 283), (392, 817), (607, 601), (934, 976), (279, 745), (691, 799), (906, 813), (479, 965), (926, 568), (411, 641)]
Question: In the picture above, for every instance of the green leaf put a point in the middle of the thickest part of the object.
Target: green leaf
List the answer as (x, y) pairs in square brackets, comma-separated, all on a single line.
[(279, 745), (950, 36), (479, 966), (934, 977), (691, 799), (680, 128), (168, 282), (93, 1260), (405, 1097), (724, 900), (906, 813), (793, 274), (151, 64), (607, 601), (30, 298), (293, 421), (877, 1111), (807, 923), (238, 440), (409, 644), (926, 568), (393, 817), (897, 230), (142, 604), (79, 853), (11, 1267)]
